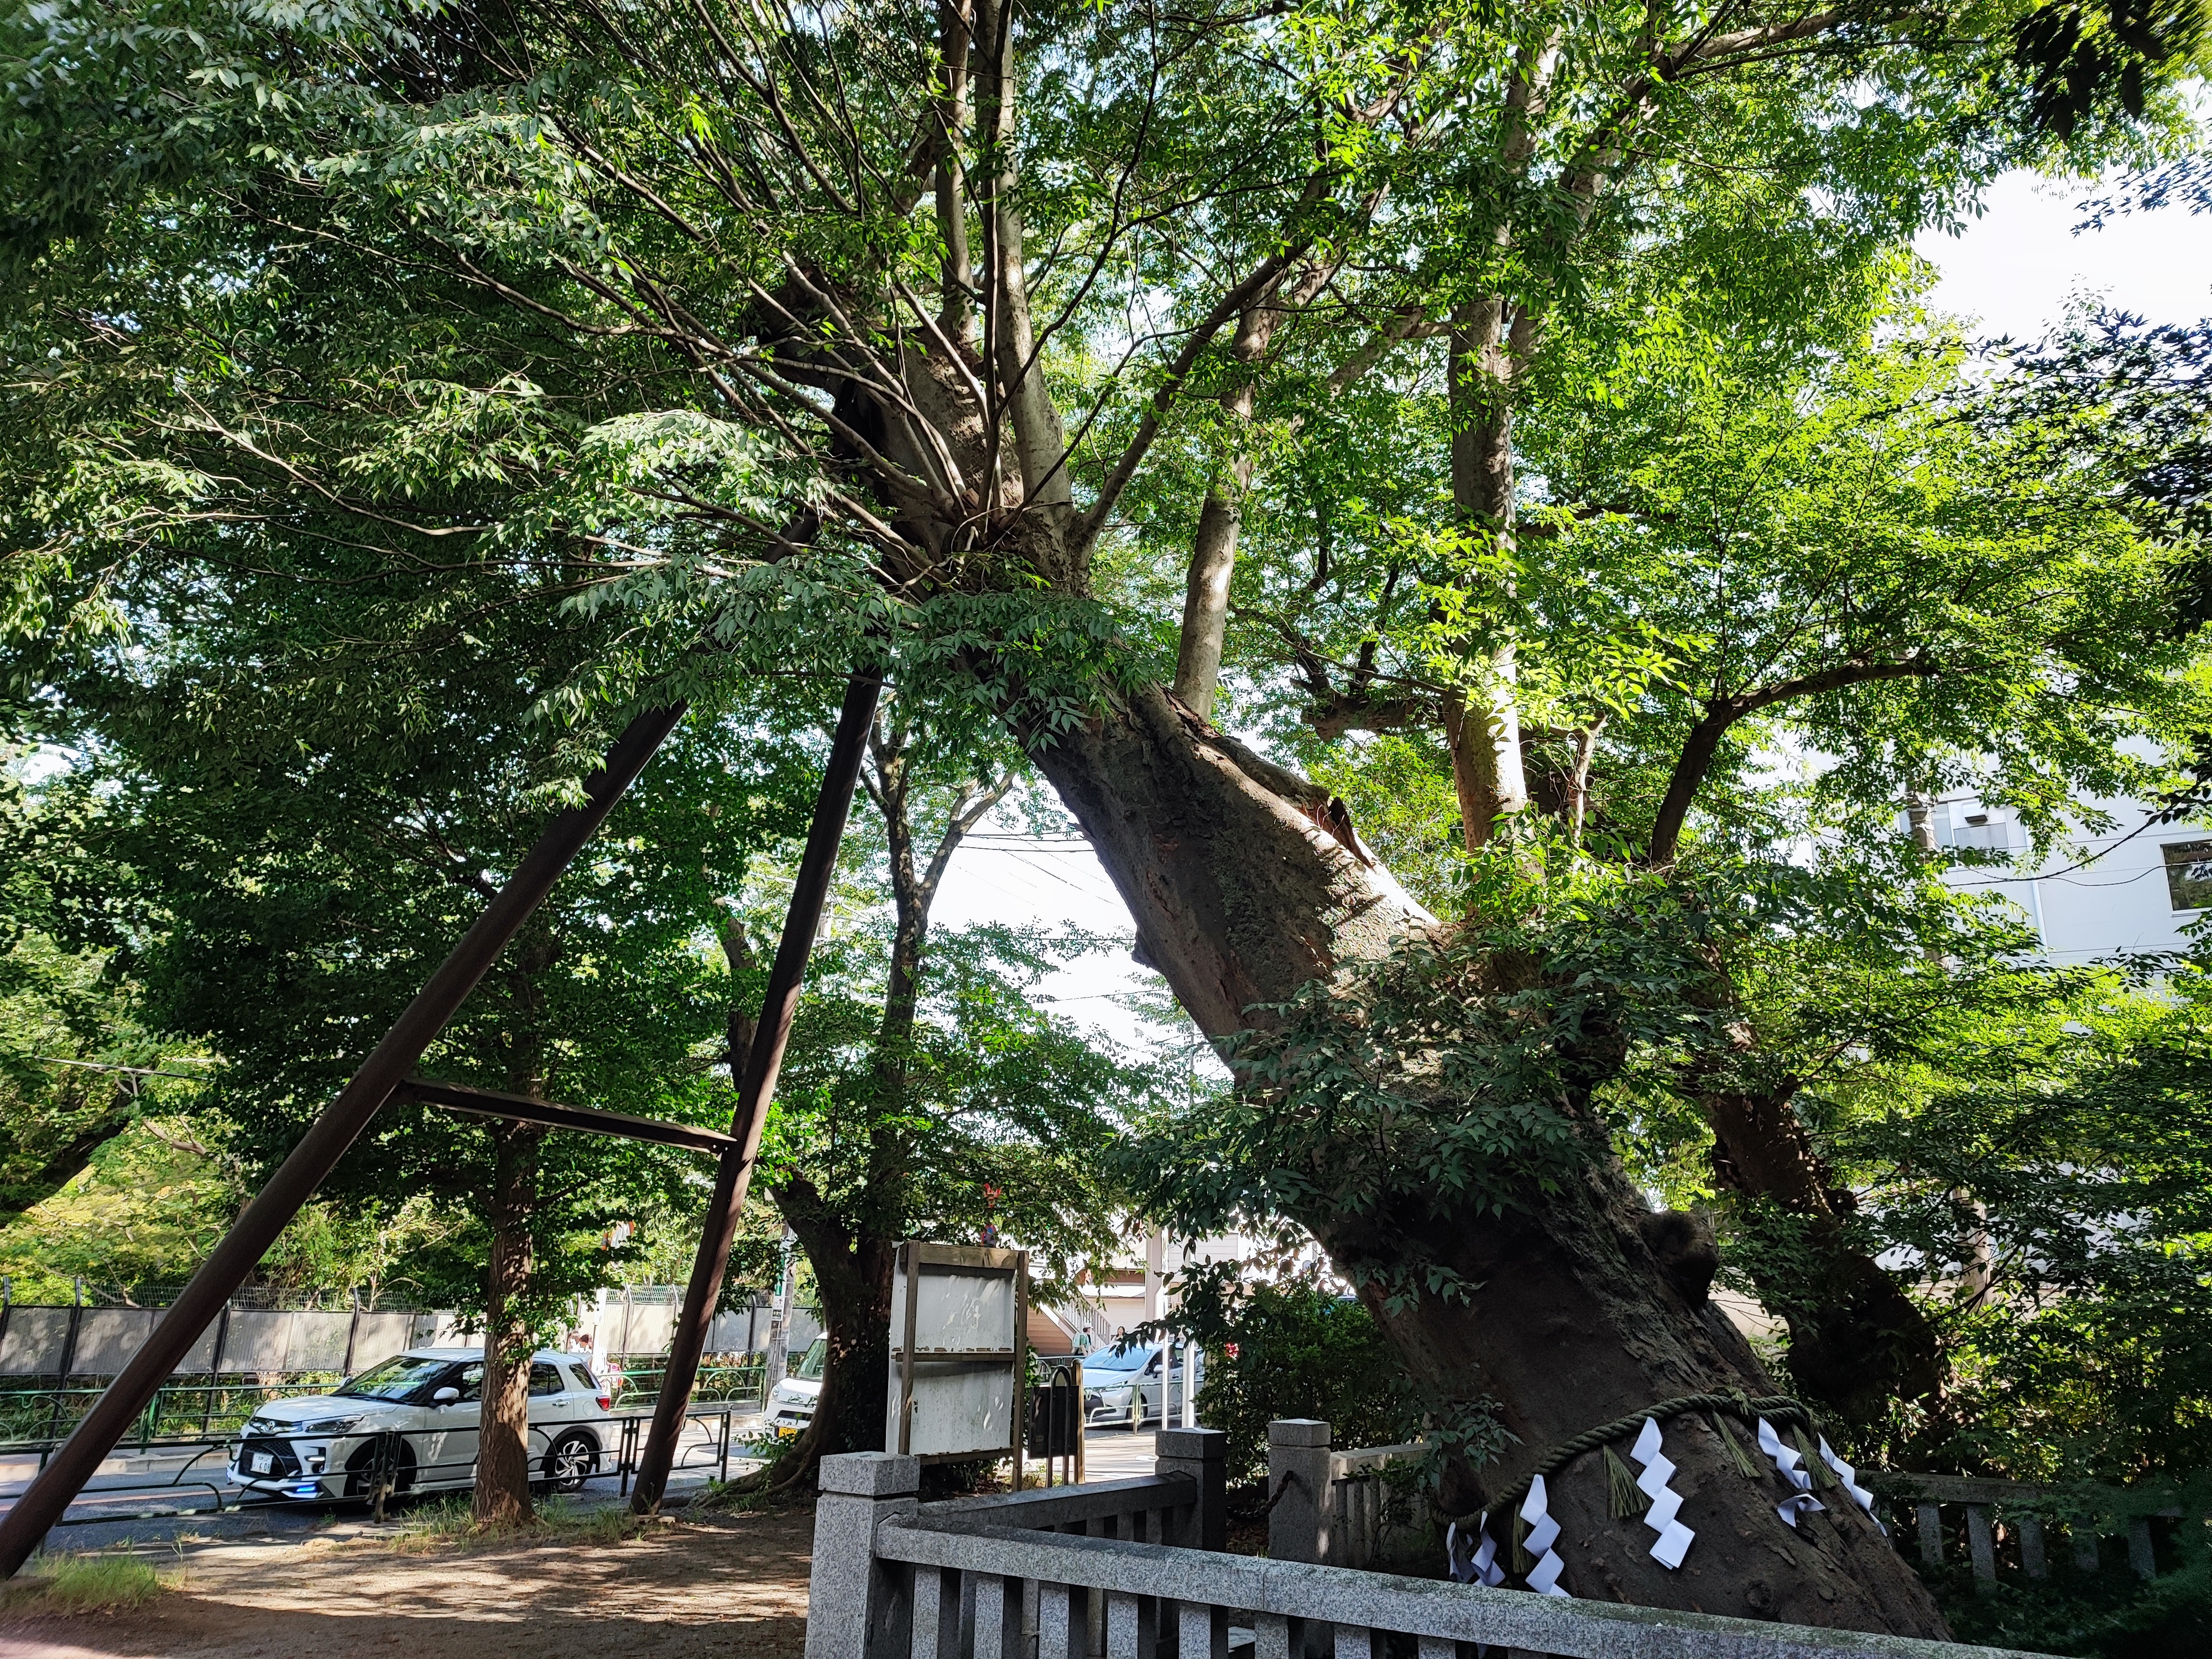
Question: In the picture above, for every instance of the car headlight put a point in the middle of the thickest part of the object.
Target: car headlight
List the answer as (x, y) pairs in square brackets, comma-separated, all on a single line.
[(330, 1425), (784, 1394)]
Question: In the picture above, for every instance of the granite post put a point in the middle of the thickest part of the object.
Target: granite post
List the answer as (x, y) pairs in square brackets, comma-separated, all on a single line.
[(1298, 1526), (857, 1607)]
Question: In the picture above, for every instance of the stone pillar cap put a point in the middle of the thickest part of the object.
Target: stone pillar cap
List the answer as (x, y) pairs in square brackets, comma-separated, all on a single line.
[(1195, 1445), (871, 1475), (1298, 1431)]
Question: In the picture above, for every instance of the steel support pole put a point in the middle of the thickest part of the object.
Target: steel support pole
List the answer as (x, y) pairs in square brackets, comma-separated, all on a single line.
[(256, 1229), (801, 921)]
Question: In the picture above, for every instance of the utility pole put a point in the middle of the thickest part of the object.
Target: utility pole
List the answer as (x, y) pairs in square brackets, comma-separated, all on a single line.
[(779, 1318)]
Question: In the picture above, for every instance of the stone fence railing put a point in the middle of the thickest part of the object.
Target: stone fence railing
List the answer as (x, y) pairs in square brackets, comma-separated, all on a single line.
[(1135, 1570), (2089, 1514), (1328, 1506)]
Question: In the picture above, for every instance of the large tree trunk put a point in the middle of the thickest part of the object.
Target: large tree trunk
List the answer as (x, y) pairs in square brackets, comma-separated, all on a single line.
[(1244, 887), (502, 1491), (1857, 1343)]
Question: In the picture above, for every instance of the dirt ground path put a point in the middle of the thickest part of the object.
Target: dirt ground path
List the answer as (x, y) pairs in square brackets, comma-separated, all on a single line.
[(733, 1587)]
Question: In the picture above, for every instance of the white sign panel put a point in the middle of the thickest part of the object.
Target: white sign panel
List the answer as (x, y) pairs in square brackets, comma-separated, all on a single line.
[(958, 1354)]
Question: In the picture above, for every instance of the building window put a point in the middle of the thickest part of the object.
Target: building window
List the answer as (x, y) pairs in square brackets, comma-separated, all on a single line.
[(2189, 874)]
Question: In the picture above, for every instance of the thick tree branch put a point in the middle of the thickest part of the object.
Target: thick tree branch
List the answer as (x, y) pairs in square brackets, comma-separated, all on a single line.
[(1232, 304), (1703, 744)]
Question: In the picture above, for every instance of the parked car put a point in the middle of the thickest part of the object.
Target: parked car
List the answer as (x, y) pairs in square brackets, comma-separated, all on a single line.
[(428, 1400), (791, 1403), (1127, 1387)]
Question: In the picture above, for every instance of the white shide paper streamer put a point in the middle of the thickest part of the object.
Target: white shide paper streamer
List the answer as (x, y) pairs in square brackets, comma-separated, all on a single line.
[(1543, 1531), (1786, 1464), (1850, 1477), (1675, 1537), (1480, 1564)]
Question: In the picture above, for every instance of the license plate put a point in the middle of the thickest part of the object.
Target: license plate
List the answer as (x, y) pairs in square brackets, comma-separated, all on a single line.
[(786, 1434), (261, 1462)]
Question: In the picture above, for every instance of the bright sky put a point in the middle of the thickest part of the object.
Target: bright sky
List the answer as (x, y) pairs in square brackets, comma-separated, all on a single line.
[(2014, 269)]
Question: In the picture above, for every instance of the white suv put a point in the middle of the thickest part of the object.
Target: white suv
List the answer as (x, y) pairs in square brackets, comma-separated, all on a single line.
[(419, 1410)]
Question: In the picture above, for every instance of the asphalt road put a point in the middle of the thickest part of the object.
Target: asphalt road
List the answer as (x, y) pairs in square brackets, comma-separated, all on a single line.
[(168, 1494)]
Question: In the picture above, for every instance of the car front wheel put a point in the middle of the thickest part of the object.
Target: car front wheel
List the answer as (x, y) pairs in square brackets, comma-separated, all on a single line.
[(384, 1453), (575, 1457)]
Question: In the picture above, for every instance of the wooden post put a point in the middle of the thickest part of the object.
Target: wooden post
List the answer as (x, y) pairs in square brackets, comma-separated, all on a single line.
[(1021, 1359), (340, 1125), (801, 921), (353, 1332)]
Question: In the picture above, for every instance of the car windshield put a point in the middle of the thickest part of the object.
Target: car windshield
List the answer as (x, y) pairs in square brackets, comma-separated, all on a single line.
[(811, 1362), (395, 1379)]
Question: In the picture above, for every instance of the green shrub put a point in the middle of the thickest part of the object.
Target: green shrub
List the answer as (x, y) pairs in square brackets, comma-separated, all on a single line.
[(2110, 1614), (1294, 1349)]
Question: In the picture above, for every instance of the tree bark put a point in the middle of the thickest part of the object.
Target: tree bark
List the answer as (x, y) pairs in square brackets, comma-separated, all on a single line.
[(1206, 591), (1857, 1343), (1213, 554), (1040, 444), (853, 1276), (1482, 722), (1241, 895), (503, 1489), (502, 1496)]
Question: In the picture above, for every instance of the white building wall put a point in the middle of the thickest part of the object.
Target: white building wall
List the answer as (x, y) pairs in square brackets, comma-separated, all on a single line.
[(2104, 893)]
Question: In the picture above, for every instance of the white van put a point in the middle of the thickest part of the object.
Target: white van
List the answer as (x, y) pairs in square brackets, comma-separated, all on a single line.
[(791, 1403), (327, 1445)]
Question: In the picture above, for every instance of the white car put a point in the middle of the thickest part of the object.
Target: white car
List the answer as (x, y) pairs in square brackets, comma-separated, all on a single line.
[(791, 1403), (1127, 1387), (420, 1408)]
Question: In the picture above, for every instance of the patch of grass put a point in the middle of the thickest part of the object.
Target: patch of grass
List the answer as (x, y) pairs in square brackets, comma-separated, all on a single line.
[(559, 1520), (429, 1524), (85, 1584), (568, 1520)]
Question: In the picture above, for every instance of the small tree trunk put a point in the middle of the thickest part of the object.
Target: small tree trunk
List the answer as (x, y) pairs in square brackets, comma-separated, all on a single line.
[(1483, 725), (1206, 593), (1213, 554), (502, 1491)]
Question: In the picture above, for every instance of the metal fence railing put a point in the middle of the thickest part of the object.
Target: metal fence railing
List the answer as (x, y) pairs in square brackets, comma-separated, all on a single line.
[(201, 1463), (39, 1418)]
